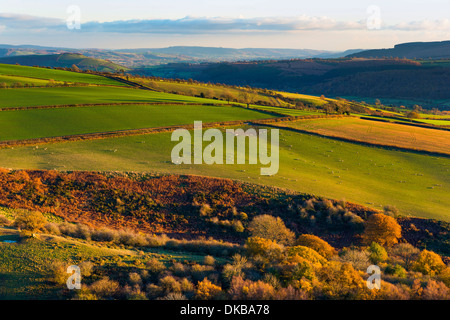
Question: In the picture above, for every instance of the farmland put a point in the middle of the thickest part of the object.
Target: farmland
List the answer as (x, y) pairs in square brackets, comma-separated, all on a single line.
[(30, 75), (39, 123), (382, 133), (87, 179), (87, 95), (416, 184)]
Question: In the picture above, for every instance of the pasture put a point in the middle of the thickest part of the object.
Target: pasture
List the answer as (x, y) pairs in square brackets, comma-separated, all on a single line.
[(389, 134), (26, 97), (56, 75), (416, 184), (40, 123)]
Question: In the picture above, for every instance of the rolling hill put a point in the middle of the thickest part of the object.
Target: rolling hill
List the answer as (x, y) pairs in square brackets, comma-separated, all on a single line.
[(63, 60), (410, 82), (412, 50)]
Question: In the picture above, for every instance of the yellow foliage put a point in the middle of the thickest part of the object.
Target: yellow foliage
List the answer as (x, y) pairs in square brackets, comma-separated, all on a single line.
[(429, 263), (306, 253), (207, 290), (319, 245), (269, 249), (382, 229)]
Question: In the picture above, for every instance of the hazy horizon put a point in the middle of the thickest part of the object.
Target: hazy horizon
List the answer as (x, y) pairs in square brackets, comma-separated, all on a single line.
[(286, 24)]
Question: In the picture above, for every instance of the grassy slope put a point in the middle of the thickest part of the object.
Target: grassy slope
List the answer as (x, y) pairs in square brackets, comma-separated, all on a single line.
[(287, 111), (208, 90), (83, 95), (25, 266), (415, 184), (57, 75), (379, 132), (39, 123), (23, 80)]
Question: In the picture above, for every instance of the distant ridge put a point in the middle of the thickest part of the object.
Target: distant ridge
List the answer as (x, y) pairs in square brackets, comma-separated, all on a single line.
[(411, 50), (63, 60)]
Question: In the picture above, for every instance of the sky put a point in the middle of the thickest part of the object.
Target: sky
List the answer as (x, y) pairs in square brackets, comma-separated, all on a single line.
[(313, 24)]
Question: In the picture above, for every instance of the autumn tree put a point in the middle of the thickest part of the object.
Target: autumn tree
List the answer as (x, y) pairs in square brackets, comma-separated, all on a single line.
[(429, 263), (377, 253), (382, 229), (406, 252), (30, 221), (319, 245), (269, 227), (206, 290), (227, 95)]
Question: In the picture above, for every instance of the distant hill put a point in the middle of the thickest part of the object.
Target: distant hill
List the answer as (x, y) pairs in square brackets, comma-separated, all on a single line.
[(412, 50), (63, 60), (133, 58), (401, 79), (229, 54)]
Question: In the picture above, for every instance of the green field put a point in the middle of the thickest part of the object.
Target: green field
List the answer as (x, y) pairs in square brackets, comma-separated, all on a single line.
[(9, 80), (436, 122), (416, 184), (56, 75), (87, 95), (39, 123), (287, 111), (313, 100)]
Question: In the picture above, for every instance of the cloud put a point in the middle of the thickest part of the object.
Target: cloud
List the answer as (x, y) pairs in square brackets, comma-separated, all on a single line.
[(212, 25), (204, 25), (19, 21), (423, 25)]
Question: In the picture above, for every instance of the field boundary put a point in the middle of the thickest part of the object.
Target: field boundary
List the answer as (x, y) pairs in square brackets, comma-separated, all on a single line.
[(412, 124), (143, 131), (81, 105)]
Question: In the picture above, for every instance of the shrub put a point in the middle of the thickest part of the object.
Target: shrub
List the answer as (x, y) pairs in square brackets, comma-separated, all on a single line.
[(357, 258), (134, 293), (30, 221), (206, 290), (391, 211), (155, 266), (396, 270), (238, 226), (436, 291), (306, 253), (187, 286), (199, 272), (249, 290), (382, 229), (105, 288), (169, 284), (86, 268), (236, 268), (429, 263), (205, 210), (178, 296), (82, 232), (52, 228), (4, 221), (269, 227), (135, 278), (341, 281), (105, 235), (406, 252), (154, 291), (445, 276), (209, 260), (377, 253), (266, 248), (58, 272), (319, 245)]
